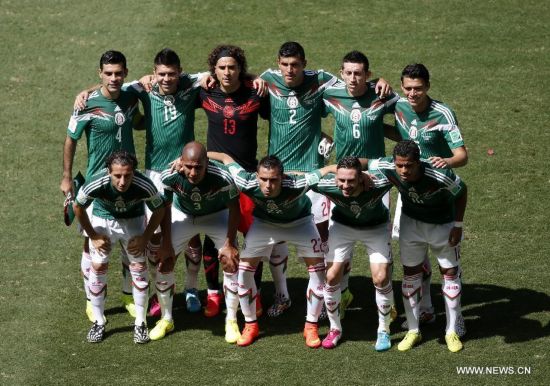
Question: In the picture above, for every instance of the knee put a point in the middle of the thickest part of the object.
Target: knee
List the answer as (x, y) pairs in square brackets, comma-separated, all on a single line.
[(98, 267), (408, 270), (453, 271), (380, 279)]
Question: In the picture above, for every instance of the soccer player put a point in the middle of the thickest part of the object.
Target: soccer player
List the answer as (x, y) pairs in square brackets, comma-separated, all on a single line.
[(119, 193), (282, 212), (358, 216), (169, 110), (434, 202), (434, 128), (296, 102), (359, 128), (107, 122), (205, 200)]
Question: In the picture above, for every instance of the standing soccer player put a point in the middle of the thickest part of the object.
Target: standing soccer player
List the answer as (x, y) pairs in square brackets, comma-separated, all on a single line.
[(434, 202), (119, 193), (107, 122), (358, 216), (359, 126), (433, 126), (205, 200), (282, 212)]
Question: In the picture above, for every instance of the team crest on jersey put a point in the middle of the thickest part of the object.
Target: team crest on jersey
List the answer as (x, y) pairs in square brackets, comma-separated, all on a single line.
[(415, 197), (355, 208), (169, 100), (292, 101), (120, 118), (228, 111), (272, 207), (120, 205), (413, 132), (196, 197), (355, 115)]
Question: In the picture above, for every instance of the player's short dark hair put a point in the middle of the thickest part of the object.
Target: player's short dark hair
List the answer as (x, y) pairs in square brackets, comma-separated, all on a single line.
[(167, 57), (416, 71), (112, 57), (292, 49), (227, 50), (407, 149), (123, 158), (271, 162), (356, 57), (349, 162)]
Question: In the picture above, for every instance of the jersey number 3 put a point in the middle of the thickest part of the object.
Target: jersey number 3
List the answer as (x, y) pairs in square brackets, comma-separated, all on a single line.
[(229, 126)]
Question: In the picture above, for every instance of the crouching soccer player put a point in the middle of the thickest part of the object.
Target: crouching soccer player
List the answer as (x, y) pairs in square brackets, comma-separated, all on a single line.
[(358, 215), (282, 212), (434, 202), (119, 193), (205, 200)]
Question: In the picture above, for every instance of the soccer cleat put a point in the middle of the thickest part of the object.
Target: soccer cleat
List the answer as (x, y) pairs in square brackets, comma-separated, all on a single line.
[(259, 307), (425, 318), (393, 313), (409, 341), (232, 333), (128, 301), (383, 342), (96, 333), (90, 313), (249, 334), (453, 342), (311, 334), (162, 328), (460, 326), (213, 305), (280, 305), (141, 334), (192, 301), (347, 298), (154, 306), (332, 339)]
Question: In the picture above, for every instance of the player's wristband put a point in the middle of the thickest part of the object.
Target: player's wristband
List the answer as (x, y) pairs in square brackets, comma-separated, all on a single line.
[(459, 224)]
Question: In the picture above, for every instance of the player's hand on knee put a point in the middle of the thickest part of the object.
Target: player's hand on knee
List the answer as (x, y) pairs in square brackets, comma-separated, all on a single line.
[(136, 245), (166, 263), (102, 243), (229, 257), (455, 236)]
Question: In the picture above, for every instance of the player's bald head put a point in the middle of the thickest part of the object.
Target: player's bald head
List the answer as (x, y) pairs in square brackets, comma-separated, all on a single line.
[(194, 151)]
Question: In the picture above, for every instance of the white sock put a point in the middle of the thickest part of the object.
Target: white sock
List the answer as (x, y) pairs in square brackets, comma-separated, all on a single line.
[(140, 283), (452, 290), (278, 265), (230, 289), (333, 295), (314, 294), (192, 262), (247, 292), (85, 266), (97, 285), (384, 302), (165, 292), (411, 289)]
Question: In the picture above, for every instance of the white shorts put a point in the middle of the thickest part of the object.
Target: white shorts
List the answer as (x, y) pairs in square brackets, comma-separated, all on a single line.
[(415, 238), (263, 235), (185, 226), (320, 206), (342, 238), (121, 230), (157, 181)]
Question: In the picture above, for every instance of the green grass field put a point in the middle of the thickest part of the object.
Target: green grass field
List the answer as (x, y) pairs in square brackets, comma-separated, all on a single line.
[(489, 61)]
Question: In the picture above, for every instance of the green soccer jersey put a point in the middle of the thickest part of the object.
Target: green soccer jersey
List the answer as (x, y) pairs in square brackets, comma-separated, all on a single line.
[(295, 120), (434, 130), (359, 121), (364, 210), (108, 126), (432, 198), (290, 205), (170, 120), (210, 195), (112, 204)]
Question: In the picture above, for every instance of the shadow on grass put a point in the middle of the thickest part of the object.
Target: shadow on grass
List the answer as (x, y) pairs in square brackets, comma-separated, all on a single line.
[(488, 310)]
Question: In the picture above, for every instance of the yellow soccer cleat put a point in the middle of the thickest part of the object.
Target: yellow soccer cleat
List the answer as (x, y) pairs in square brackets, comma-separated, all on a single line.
[(453, 342), (162, 328), (232, 333), (409, 341)]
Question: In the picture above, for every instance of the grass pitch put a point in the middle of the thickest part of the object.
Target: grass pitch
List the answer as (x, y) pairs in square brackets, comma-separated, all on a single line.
[(488, 60)]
